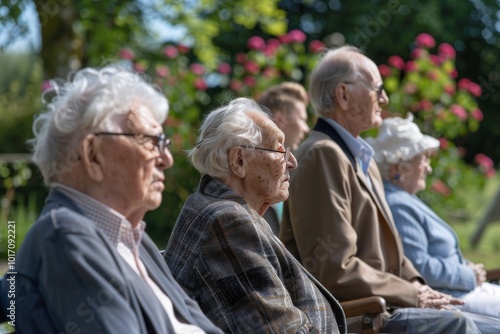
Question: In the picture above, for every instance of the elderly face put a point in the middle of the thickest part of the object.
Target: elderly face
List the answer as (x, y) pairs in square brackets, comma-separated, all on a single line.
[(133, 167), (267, 177), (413, 173), (366, 98)]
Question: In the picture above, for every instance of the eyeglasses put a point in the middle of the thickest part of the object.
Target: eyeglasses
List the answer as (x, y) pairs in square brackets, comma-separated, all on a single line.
[(379, 90), (286, 153), (159, 140)]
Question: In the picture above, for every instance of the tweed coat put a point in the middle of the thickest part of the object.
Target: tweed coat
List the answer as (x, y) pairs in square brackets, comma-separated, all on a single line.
[(226, 257), (341, 228), (71, 279)]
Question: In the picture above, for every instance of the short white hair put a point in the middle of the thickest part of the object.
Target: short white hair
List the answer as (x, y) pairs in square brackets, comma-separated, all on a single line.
[(334, 67), (222, 129), (88, 102)]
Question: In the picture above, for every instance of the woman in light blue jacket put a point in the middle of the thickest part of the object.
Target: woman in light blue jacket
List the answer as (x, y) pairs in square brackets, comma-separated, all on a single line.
[(402, 153)]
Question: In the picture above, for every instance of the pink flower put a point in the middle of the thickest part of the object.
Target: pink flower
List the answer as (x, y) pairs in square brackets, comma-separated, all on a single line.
[(397, 62), (126, 54), (170, 51), (474, 89), (446, 50), (224, 68), (297, 36), (410, 88), (483, 160), (270, 50), (249, 81), (417, 53), (435, 60), (384, 70), (490, 173), (256, 43), (477, 114), (411, 66), (274, 42), (197, 68), (183, 48), (251, 66), (463, 83), (459, 111), (426, 105), (46, 85), (241, 57), (316, 46), (162, 71), (425, 40), (443, 143), (200, 84), (454, 73), (449, 89), (235, 85), (441, 188), (432, 75), (285, 39)]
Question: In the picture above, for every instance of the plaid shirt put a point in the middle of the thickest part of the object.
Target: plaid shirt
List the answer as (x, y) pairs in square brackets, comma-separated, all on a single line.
[(227, 258)]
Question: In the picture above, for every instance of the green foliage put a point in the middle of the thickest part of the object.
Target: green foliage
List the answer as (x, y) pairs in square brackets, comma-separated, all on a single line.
[(20, 101), (426, 87), (23, 214)]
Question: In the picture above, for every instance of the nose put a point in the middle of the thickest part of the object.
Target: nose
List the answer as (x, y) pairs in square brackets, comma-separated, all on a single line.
[(384, 99), (165, 160), (292, 162)]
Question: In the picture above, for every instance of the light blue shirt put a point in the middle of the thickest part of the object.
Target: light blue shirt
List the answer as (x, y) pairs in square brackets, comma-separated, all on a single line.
[(430, 243), (360, 149)]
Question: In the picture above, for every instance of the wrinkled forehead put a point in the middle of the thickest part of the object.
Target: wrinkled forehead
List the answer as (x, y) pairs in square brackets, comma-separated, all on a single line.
[(270, 131), (139, 117)]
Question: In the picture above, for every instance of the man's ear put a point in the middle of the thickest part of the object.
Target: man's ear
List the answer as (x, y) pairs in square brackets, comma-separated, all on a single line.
[(92, 157), (238, 161), (342, 96)]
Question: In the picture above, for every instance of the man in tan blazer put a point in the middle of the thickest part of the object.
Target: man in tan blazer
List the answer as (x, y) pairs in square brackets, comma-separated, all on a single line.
[(336, 220)]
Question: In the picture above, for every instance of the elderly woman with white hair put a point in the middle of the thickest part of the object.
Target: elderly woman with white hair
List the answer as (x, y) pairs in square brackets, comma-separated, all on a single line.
[(402, 154), (223, 252)]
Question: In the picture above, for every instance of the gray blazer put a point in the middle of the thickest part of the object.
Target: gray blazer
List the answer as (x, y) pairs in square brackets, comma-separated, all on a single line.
[(70, 277)]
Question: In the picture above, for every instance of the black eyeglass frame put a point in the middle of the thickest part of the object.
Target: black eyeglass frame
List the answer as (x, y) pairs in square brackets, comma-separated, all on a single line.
[(286, 153), (379, 90), (160, 140)]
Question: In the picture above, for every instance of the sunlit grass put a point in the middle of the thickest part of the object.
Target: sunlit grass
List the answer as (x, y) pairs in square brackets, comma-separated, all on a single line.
[(488, 248)]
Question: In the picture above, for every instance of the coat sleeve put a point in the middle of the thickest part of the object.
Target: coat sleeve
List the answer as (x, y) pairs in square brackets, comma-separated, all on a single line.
[(235, 264), (439, 272), (77, 285), (324, 222)]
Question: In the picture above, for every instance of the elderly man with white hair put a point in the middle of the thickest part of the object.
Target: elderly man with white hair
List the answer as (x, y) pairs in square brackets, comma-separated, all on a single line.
[(223, 253), (86, 265)]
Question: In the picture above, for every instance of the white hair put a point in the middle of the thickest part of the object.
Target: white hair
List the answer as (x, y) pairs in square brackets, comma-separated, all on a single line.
[(223, 128), (334, 67), (87, 103)]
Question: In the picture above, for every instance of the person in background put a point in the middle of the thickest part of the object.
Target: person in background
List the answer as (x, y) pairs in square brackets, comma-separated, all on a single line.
[(336, 220), (287, 103), (86, 265), (222, 251), (402, 153)]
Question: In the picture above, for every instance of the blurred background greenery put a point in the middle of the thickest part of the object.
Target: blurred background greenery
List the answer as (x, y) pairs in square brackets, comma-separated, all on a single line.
[(202, 53)]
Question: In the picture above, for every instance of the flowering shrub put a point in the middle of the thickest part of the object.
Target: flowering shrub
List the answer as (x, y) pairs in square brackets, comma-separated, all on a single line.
[(426, 85)]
